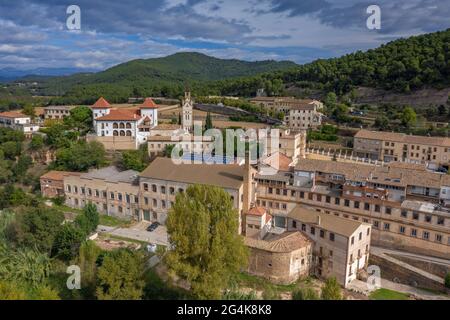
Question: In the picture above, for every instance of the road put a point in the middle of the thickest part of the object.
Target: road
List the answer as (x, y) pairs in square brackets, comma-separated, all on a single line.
[(380, 250), (138, 232)]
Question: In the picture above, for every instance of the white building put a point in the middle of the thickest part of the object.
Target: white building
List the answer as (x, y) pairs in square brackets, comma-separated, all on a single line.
[(18, 121), (136, 123), (188, 114)]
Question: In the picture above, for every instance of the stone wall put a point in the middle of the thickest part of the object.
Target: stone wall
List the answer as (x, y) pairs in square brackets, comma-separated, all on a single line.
[(396, 273), (115, 143)]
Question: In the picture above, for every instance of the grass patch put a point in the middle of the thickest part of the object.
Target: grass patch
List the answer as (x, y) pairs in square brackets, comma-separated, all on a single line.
[(111, 221), (118, 238), (270, 290), (386, 294)]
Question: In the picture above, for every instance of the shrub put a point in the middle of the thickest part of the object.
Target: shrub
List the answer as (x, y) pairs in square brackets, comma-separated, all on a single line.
[(447, 280), (331, 290), (305, 294)]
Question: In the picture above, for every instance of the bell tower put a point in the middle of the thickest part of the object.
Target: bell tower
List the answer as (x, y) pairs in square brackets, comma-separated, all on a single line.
[(187, 106)]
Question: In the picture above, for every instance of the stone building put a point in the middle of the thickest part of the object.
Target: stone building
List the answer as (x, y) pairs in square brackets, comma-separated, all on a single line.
[(406, 204), (282, 258), (300, 114), (52, 183), (340, 246), (393, 146), (57, 112), (113, 192)]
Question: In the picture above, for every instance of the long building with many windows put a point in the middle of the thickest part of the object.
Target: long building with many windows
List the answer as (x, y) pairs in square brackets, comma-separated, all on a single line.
[(407, 205)]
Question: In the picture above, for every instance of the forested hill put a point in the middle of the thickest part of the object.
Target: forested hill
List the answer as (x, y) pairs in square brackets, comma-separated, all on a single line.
[(165, 75), (402, 65)]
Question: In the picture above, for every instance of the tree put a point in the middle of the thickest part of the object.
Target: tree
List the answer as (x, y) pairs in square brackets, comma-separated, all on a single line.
[(120, 276), (24, 266), (37, 142), (11, 291), (330, 100), (11, 149), (88, 220), (80, 119), (29, 110), (305, 293), (21, 167), (208, 122), (381, 122), (331, 290), (87, 260), (447, 280), (67, 242), (37, 226), (207, 249), (81, 156), (408, 117), (135, 159)]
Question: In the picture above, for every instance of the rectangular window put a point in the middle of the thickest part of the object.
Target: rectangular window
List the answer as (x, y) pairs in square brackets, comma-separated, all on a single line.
[(402, 229), (327, 199), (377, 208), (313, 230), (145, 187), (366, 206), (404, 214), (346, 202), (356, 204), (413, 232), (331, 236), (387, 226), (337, 201), (294, 224), (388, 210), (426, 235), (322, 234)]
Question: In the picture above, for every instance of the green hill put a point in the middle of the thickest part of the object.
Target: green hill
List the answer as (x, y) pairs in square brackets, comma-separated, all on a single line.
[(165, 76), (402, 65)]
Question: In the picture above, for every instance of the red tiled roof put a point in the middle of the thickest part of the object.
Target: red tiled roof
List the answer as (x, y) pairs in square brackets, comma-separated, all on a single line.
[(257, 211), (149, 104), (101, 104), (12, 114), (119, 115), (58, 175)]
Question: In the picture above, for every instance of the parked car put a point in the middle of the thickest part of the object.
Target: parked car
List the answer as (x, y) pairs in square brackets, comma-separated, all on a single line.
[(153, 226)]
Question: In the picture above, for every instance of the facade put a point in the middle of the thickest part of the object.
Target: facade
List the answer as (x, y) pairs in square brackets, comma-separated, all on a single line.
[(188, 113), (406, 204), (391, 146), (18, 121), (290, 143), (340, 246), (113, 192), (300, 114), (57, 112), (52, 183), (135, 123), (186, 142), (162, 179), (282, 258)]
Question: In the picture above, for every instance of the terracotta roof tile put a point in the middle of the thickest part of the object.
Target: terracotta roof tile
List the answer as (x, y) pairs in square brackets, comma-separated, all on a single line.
[(120, 115), (285, 242), (58, 175), (149, 104), (12, 114), (257, 211), (101, 104)]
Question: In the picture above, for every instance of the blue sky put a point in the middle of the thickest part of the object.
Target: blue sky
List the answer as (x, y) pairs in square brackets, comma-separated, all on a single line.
[(33, 33)]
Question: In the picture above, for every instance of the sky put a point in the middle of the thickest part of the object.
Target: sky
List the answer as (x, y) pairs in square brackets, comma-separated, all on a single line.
[(34, 33)]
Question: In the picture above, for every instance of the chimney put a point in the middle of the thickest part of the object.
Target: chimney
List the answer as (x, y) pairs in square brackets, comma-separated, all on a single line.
[(247, 183), (318, 220)]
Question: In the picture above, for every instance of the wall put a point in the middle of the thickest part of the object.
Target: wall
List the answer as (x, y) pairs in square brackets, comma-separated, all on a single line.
[(115, 143)]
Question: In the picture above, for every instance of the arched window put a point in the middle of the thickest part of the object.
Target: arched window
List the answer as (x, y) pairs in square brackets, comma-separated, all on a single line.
[(122, 133), (115, 125), (128, 125), (115, 133), (122, 125), (129, 133)]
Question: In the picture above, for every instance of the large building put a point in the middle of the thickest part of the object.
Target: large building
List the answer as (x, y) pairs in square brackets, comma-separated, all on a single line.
[(57, 112), (392, 146), (52, 183), (133, 123), (405, 203), (299, 114), (18, 121), (113, 192)]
